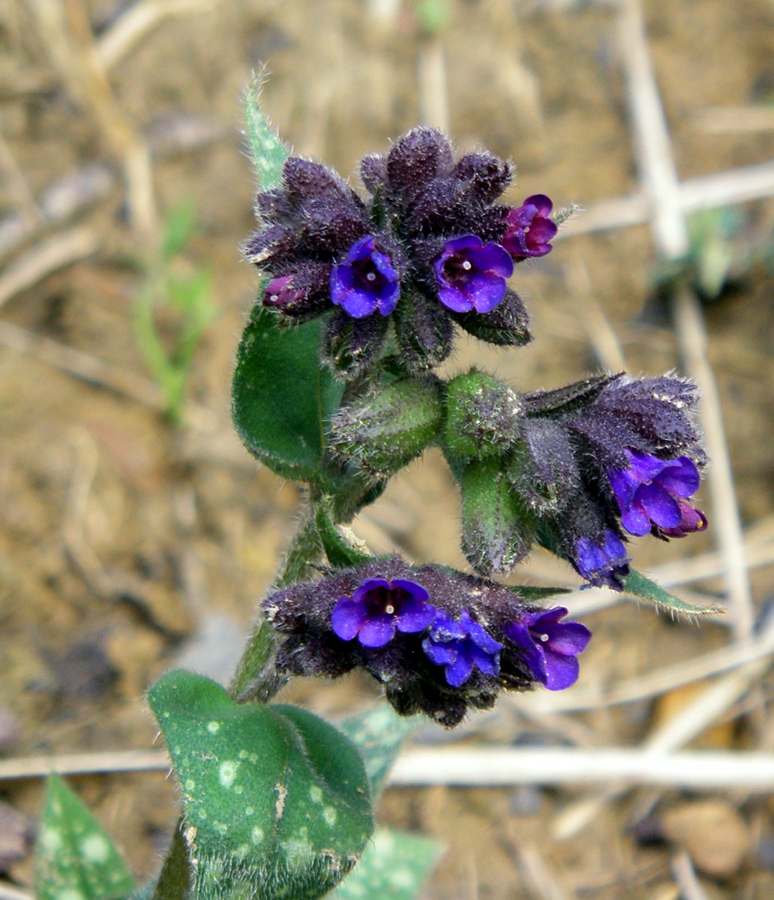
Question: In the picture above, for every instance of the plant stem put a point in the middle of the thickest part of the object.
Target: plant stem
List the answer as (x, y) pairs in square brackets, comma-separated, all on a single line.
[(256, 679)]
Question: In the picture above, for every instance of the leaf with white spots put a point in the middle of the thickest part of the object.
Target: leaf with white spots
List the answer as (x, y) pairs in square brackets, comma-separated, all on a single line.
[(379, 734), (75, 859), (394, 867), (273, 796)]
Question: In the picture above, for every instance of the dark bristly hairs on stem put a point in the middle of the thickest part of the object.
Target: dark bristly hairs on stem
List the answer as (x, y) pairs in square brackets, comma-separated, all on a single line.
[(360, 298)]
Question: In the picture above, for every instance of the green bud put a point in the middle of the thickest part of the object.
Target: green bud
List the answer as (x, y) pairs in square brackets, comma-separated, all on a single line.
[(482, 416), (497, 530), (390, 426)]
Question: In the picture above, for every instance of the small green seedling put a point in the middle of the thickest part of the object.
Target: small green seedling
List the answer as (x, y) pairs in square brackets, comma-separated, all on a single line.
[(172, 310)]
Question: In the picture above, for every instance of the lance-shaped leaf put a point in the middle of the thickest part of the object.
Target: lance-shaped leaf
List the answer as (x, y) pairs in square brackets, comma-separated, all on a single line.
[(638, 585), (282, 397), (395, 865), (276, 801), (266, 149), (75, 857)]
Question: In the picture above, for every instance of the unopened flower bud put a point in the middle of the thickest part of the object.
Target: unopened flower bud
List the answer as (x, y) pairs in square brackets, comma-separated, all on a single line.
[(390, 426), (482, 416), (497, 529)]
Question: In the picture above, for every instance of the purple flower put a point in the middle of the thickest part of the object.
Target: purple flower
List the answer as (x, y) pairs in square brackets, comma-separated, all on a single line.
[(602, 565), (471, 274), (365, 281), (651, 495), (461, 645), (378, 607), (529, 230), (550, 646), (281, 293)]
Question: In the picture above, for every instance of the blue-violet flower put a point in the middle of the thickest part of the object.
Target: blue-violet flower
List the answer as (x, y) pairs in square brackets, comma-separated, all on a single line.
[(529, 230), (365, 282), (460, 645), (378, 607), (550, 646), (471, 274), (651, 495), (602, 565)]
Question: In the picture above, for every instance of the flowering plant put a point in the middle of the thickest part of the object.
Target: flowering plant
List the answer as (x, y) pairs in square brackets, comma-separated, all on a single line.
[(335, 388)]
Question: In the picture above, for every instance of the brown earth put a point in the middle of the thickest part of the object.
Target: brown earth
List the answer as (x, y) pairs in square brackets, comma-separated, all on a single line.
[(124, 539)]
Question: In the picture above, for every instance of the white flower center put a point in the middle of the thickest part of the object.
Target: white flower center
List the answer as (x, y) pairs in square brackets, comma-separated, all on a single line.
[(544, 637), (389, 609), (467, 265), (371, 276)]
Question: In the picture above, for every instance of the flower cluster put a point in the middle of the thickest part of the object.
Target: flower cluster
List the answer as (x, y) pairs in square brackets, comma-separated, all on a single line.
[(428, 247), (438, 640), (585, 468)]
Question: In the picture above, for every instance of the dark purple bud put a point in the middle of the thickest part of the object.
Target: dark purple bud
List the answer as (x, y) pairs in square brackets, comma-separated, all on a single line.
[(460, 646), (365, 282), (651, 495), (485, 176), (604, 563), (472, 275), (418, 158), (528, 228), (550, 646), (378, 607)]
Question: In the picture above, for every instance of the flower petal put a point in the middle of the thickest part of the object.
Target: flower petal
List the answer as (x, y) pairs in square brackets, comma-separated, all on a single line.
[(561, 671), (681, 478), (347, 617), (377, 631), (661, 507)]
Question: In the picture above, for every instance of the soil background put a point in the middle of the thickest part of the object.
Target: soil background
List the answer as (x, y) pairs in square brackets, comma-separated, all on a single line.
[(128, 546)]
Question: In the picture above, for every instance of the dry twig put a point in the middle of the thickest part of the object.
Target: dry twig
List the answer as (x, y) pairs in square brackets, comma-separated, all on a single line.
[(45, 258)]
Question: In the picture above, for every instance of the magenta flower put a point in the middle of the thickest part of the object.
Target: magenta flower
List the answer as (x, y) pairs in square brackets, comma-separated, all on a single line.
[(280, 292), (365, 282), (602, 565), (549, 646), (528, 228), (471, 274), (378, 607), (461, 645), (651, 494)]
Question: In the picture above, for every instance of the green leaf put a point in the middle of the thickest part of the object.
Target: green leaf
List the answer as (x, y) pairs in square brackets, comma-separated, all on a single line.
[(530, 592), (394, 867), (274, 798), (282, 397), (75, 858), (638, 585), (179, 228), (340, 552), (379, 734), (266, 149)]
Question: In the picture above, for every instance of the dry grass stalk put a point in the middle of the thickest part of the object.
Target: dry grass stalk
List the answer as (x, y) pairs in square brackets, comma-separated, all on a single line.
[(98, 373), (66, 32), (709, 192), (137, 22), (671, 233), (540, 880), (686, 878), (47, 257)]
